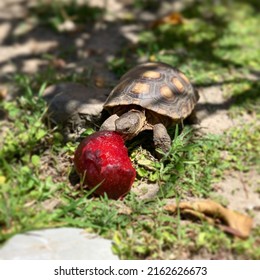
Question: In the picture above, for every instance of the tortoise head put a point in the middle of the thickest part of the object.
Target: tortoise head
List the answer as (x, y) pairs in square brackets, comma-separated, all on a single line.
[(130, 123)]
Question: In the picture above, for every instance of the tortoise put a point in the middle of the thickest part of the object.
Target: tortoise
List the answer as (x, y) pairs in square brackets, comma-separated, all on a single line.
[(150, 96)]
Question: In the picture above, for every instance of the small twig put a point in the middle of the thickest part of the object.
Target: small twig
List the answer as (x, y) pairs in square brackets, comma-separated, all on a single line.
[(243, 184)]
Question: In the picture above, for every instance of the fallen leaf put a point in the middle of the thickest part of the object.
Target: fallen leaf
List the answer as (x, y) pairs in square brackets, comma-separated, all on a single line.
[(173, 18), (230, 221)]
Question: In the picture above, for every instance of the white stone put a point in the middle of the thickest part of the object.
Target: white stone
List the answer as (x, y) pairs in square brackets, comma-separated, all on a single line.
[(57, 244)]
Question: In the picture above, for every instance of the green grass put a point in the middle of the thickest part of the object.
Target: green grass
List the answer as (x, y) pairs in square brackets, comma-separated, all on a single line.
[(35, 191), (55, 13), (188, 168), (144, 230), (242, 147), (212, 41)]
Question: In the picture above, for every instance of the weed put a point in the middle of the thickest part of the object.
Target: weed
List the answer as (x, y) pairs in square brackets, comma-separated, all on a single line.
[(118, 66), (211, 239), (189, 168), (249, 248), (55, 13), (208, 43), (245, 96), (241, 143)]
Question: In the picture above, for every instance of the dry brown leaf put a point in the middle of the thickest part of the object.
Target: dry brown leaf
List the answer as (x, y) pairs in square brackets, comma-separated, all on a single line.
[(233, 222), (173, 18)]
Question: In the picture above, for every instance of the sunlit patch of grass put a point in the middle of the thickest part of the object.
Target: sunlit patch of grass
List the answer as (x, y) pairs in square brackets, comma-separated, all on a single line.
[(189, 168), (212, 40), (245, 96), (241, 144), (250, 248), (26, 130), (161, 236)]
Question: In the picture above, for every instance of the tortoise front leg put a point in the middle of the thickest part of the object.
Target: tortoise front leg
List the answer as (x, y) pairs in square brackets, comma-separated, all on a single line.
[(161, 138), (193, 118), (109, 124)]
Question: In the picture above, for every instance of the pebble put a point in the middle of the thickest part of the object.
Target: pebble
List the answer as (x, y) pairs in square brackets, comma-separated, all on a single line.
[(146, 191)]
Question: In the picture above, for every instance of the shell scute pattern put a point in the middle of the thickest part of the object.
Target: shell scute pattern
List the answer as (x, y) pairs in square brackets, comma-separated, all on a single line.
[(157, 87)]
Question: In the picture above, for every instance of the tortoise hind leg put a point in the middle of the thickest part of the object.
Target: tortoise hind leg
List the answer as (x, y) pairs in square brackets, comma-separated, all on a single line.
[(161, 138)]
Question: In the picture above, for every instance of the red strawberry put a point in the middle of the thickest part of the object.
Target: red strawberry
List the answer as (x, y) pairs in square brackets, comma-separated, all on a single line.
[(102, 158)]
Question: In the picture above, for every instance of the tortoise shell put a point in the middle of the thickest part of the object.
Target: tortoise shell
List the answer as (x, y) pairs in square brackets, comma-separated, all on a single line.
[(155, 86)]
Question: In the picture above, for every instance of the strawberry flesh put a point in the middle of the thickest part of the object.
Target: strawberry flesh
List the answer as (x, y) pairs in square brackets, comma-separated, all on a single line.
[(102, 159)]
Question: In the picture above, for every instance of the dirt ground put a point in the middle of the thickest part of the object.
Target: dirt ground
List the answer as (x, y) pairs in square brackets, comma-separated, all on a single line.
[(24, 45)]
